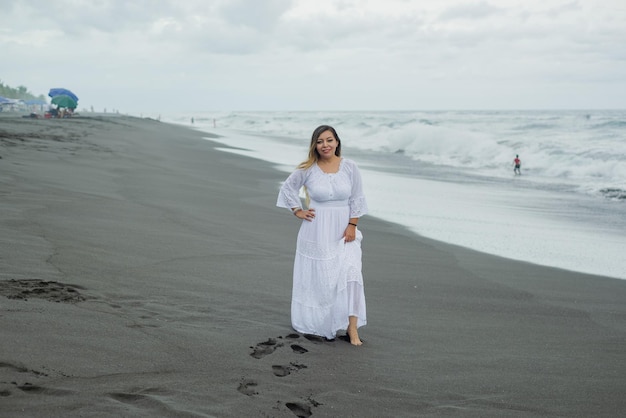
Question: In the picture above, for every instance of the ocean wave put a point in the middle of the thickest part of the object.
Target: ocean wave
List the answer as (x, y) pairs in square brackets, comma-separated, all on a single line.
[(612, 124), (613, 193), (584, 149)]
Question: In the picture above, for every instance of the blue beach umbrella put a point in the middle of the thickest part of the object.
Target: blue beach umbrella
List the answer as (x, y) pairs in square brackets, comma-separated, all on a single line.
[(62, 92), (5, 100)]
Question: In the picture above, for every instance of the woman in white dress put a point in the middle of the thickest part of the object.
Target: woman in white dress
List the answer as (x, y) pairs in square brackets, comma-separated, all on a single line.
[(328, 293)]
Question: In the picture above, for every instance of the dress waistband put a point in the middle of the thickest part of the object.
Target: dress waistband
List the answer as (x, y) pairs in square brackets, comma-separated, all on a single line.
[(328, 203)]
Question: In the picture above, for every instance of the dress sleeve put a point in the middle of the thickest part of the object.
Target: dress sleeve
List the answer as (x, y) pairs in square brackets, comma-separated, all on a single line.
[(357, 202), (289, 194)]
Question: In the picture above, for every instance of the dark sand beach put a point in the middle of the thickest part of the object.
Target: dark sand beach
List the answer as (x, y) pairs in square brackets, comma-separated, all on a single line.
[(143, 273)]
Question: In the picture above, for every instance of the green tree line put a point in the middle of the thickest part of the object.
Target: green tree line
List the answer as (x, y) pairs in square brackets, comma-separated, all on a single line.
[(19, 92)]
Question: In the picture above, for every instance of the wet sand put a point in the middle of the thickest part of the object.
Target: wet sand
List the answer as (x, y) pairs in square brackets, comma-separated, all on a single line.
[(145, 273)]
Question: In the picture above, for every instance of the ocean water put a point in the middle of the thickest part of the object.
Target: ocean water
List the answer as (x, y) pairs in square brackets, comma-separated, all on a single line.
[(448, 175)]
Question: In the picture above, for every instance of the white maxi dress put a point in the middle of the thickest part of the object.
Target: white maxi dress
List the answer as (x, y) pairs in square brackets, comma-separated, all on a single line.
[(327, 278)]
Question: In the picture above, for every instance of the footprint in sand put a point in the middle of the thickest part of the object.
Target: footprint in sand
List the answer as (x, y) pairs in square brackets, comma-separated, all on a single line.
[(298, 349), (264, 348), (41, 289), (282, 371), (300, 409), (247, 387), (316, 338), (30, 388)]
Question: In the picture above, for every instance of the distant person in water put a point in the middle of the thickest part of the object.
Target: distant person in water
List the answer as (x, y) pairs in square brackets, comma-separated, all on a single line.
[(517, 164)]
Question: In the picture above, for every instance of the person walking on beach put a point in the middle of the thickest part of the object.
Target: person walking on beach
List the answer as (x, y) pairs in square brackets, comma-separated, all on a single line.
[(328, 293), (517, 164)]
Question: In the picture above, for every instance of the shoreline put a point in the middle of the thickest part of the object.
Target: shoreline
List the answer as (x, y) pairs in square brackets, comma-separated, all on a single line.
[(488, 228), (184, 264)]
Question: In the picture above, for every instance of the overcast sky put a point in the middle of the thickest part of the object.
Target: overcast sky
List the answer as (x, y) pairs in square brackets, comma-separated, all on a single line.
[(188, 55)]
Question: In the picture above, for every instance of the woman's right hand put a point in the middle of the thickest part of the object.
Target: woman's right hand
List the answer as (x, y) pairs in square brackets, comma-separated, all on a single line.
[(307, 215)]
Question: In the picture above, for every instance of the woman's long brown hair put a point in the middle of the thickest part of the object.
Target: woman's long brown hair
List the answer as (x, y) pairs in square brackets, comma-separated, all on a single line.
[(313, 154)]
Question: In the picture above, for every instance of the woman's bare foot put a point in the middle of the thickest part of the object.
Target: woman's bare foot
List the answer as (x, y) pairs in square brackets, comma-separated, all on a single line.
[(353, 334)]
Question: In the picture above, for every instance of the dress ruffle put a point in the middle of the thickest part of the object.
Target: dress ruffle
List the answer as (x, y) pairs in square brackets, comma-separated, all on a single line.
[(327, 280)]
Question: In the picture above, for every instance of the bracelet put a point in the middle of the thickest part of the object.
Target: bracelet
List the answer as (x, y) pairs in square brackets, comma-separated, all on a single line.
[(350, 223), (296, 210)]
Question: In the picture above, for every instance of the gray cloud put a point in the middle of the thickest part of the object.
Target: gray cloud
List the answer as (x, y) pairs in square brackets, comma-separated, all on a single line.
[(470, 11), (293, 54), (261, 16)]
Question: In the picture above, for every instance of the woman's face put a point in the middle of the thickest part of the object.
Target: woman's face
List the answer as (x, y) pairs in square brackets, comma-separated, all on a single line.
[(326, 145)]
